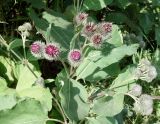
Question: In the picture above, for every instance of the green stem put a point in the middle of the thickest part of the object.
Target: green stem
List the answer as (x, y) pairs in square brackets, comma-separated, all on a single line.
[(81, 5), (77, 6), (24, 46), (7, 46), (65, 67), (133, 97), (56, 120), (61, 110)]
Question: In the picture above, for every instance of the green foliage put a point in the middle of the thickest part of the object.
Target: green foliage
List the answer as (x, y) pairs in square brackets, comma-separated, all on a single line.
[(124, 80), (30, 74), (101, 120), (92, 92), (95, 5), (108, 105), (74, 99), (27, 111)]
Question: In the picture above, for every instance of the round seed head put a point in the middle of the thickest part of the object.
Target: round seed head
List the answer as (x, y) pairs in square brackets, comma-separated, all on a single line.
[(144, 105), (75, 57), (51, 51), (36, 49), (136, 90), (152, 73)]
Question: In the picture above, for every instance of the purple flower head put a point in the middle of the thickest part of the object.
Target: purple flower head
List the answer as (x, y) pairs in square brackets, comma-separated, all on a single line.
[(105, 28), (97, 40), (36, 49), (51, 51), (81, 18), (75, 57), (89, 29)]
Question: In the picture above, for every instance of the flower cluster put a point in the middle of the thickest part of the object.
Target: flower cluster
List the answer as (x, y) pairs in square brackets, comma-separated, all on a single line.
[(95, 33), (25, 28), (145, 71), (143, 102), (144, 105), (49, 51)]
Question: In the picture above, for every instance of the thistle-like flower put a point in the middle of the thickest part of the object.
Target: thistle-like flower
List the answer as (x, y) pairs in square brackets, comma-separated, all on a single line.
[(97, 40), (74, 57), (88, 30), (136, 90), (81, 18), (104, 28), (51, 51), (36, 49), (144, 105)]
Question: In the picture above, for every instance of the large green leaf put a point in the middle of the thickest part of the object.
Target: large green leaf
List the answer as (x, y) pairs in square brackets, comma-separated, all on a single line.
[(157, 35), (108, 106), (116, 55), (103, 74), (3, 84), (87, 68), (40, 94), (7, 101), (116, 37), (40, 4), (101, 120), (95, 4), (25, 112), (117, 17), (98, 63), (7, 96), (6, 69), (146, 22), (74, 99), (122, 3), (124, 80), (57, 19), (16, 43), (27, 76)]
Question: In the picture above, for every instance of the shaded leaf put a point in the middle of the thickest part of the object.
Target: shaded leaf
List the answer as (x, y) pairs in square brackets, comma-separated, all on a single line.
[(74, 100), (108, 106), (25, 112), (95, 4)]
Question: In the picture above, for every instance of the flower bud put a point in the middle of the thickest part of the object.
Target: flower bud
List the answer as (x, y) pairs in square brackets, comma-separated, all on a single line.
[(136, 90), (81, 18), (74, 57)]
